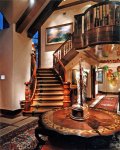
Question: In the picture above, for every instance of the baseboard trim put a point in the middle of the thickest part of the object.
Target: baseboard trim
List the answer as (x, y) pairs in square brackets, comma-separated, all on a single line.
[(113, 93), (10, 112)]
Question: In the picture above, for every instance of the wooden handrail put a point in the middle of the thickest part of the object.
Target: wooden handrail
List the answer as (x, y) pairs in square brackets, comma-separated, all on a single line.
[(64, 48), (59, 65), (69, 38), (33, 79), (31, 85), (59, 54)]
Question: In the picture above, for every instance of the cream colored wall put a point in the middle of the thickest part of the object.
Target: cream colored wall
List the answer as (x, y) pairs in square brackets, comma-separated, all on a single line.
[(58, 18), (15, 52), (6, 68), (106, 86), (22, 47)]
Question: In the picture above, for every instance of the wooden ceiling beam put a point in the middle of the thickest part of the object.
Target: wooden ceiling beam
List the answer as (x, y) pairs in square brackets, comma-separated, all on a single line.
[(29, 14), (71, 4), (48, 10), (75, 3)]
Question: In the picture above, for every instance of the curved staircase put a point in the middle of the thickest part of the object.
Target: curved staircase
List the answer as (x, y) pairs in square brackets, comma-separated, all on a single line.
[(49, 92)]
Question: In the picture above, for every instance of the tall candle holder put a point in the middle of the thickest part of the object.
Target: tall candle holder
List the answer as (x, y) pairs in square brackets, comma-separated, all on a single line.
[(80, 109)]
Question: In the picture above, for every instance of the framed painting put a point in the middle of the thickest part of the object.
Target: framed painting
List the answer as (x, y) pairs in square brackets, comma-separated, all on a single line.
[(58, 34), (100, 76)]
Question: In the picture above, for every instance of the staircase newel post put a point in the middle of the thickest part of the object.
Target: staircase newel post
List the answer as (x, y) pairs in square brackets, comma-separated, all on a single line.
[(27, 97), (66, 101)]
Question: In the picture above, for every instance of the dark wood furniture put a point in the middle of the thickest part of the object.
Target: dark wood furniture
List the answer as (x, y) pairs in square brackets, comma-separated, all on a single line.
[(96, 131)]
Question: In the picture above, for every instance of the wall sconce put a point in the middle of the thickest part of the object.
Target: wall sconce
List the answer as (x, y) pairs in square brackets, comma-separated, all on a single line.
[(2, 77)]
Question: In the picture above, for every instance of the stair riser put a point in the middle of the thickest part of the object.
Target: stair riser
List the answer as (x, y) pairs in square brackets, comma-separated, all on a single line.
[(49, 94), (45, 71), (47, 91), (47, 101), (48, 82), (51, 69), (47, 78), (47, 105), (48, 86), (45, 75), (48, 98)]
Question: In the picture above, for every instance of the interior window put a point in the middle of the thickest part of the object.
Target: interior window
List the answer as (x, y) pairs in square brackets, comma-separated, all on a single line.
[(3, 22)]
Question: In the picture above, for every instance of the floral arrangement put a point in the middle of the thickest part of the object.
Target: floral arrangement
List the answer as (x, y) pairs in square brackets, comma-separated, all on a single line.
[(112, 77)]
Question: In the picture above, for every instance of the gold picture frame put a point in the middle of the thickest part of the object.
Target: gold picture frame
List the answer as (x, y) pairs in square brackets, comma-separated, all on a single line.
[(58, 34)]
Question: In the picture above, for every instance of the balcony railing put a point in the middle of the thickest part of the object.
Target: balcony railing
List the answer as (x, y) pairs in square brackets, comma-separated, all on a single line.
[(100, 24)]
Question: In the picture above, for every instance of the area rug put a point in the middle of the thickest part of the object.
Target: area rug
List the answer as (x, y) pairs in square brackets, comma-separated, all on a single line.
[(108, 103), (22, 139)]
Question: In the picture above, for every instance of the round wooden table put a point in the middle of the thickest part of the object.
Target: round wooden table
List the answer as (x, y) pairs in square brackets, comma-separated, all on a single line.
[(100, 125)]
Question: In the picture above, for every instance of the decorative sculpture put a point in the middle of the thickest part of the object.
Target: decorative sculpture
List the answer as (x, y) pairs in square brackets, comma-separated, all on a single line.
[(79, 110)]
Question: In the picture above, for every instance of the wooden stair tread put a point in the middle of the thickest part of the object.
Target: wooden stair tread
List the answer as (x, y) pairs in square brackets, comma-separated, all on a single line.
[(46, 77), (46, 74), (44, 70), (50, 89), (49, 92), (49, 98), (57, 84), (49, 80), (52, 93), (47, 104)]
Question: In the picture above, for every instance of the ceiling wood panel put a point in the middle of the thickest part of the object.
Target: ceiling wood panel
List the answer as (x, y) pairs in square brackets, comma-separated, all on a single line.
[(71, 4), (29, 14), (52, 5)]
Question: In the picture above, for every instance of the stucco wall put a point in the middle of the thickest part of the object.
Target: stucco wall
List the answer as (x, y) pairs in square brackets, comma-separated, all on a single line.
[(15, 52), (6, 68), (22, 47)]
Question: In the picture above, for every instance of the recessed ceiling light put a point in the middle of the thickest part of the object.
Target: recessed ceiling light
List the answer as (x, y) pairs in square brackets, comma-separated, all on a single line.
[(32, 2)]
